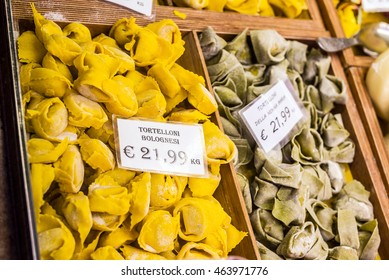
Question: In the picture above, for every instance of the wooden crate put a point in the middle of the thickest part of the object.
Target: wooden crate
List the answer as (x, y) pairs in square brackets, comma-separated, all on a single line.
[(351, 56), (364, 168), (228, 193), (367, 165), (198, 19)]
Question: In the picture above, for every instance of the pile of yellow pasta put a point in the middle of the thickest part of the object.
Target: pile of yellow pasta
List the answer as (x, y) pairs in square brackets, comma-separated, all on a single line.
[(283, 8), (352, 16), (85, 206)]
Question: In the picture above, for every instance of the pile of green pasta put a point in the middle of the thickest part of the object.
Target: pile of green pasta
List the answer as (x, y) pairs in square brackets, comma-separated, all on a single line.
[(300, 204)]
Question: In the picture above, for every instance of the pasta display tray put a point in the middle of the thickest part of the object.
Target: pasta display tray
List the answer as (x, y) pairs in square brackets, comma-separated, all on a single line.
[(224, 205), (238, 80), (374, 126), (231, 193)]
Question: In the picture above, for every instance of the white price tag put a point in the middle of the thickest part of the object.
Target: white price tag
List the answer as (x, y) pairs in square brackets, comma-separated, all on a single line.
[(144, 7), (272, 116), (375, 5), (168, 148)]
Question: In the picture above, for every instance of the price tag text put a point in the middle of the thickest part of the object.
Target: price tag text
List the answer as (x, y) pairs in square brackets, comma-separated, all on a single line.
[(168, 148), (272, 116)]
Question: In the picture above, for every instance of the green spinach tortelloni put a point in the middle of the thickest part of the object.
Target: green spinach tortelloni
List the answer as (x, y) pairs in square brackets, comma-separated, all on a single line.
[(301, 204)]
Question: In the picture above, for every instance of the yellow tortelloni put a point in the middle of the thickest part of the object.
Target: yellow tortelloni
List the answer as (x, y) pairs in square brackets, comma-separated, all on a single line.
[(93, 70), (122, 234), (56, 241), (346, 13), (30, 49), (291, 8), (104, 222), (217, 6), (44, 27), (104, 134), (78, 32), (219, 148), (151, 102), (158, 232), (202, 99), (172, 102), (96, 66), (204, 186), (71, 132), (225, 239), (186, 78), (107, 196), (158, 42), (55, 42), (139, 189), (167, 29), (122, 176), (48, 82), (133, 253), (167, 82), (124, 30), (124, 62), (166, 190), (200, 217), (76, 210), (97, 154), (124, 102), (215, 246), (84, 112), (90, 84), (198, 95), (188, 116), (42, 175), (216, 236), (49, 117), (43, 151), (29, 100), (106, 253), (265, 9), (51, 62), (63, 48), (69, 170), (119, 236), (109, 203), (105, 40), (25, 75), (198, 251), (146, 48), (249, 7)]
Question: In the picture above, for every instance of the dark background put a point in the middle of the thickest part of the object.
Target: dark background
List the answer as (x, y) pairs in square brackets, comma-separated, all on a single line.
[(17, 229)]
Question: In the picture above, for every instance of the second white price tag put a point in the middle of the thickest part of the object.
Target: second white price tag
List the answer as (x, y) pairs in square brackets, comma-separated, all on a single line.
[(272, 116), (144, 7), (168, 148), (373, 6)]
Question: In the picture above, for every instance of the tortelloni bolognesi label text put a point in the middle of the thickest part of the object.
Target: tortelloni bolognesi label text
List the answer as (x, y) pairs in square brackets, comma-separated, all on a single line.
[(168, 148)]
